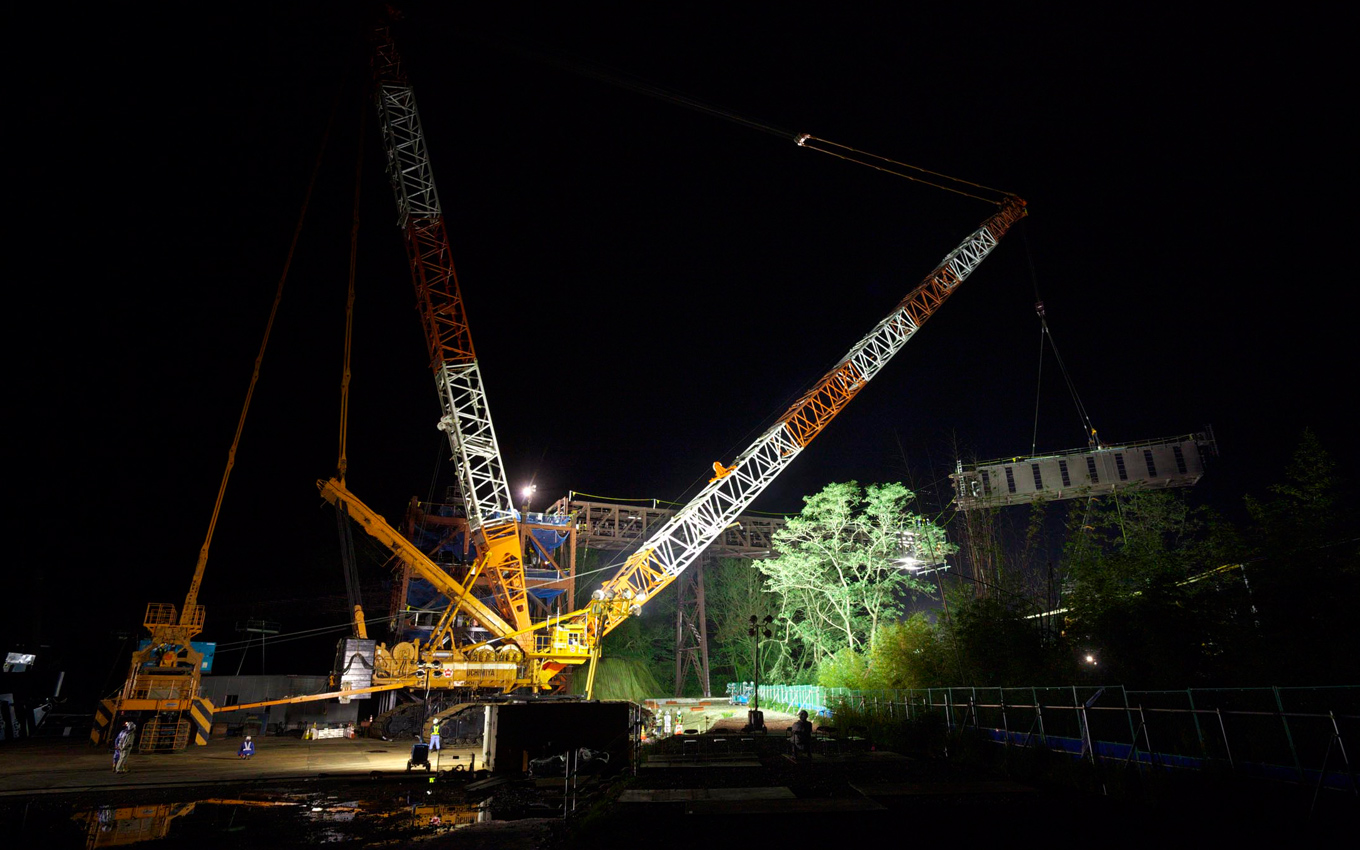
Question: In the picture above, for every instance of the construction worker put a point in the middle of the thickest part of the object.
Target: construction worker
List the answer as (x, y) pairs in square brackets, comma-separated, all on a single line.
[(434, 735), (122, 745), (247, 748), (800, 736)]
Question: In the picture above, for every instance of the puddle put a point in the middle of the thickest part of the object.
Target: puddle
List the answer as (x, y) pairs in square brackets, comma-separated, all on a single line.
[(109, 826), (296, 818)]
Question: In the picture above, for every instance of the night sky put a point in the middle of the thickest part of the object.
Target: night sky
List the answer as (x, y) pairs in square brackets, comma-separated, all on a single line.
[(648, 285)]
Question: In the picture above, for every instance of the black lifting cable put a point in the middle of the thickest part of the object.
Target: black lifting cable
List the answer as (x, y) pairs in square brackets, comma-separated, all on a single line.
[(1046, 334), (849, 154)]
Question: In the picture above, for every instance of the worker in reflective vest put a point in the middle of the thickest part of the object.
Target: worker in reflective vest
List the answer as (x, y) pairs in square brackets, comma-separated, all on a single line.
[(434, 735)]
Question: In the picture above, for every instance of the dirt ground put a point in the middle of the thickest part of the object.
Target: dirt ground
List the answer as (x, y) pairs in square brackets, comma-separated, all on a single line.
[(718, 716)]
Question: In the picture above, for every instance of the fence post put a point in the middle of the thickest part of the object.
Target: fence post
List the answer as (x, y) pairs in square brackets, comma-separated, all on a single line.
[(1279, 704), (1147, 737), (1194, 713), (1005, 723), (1226, 746), (1087, 740)]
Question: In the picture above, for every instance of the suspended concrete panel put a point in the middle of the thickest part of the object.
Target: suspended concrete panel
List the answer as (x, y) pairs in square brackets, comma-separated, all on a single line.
[(1147, 465)]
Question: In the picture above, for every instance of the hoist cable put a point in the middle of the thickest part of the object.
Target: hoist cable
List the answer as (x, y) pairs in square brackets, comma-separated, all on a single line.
[(342, 464), (623, 80), (807, 139), (191, 599), (1071, 386), (631, 83), (348, 560), (1038, 387), (1046, 333)]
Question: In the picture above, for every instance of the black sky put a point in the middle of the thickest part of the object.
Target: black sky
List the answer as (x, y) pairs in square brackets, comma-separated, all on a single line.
[(647, 284)]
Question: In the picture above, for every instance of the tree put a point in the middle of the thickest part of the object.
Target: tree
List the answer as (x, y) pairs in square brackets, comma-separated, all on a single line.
[(909, 654), (1305, 576), (1141, 590), (641, 644), (843, 668), (992, 641), (735, 590), (837, 573)]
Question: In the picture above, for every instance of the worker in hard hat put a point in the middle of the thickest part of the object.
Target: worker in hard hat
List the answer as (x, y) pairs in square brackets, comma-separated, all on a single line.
[(247, 748), (122, 745), (434, 736)]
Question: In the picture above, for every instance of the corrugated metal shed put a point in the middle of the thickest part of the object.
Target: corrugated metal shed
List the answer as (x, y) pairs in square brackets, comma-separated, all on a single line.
[(241, 690)]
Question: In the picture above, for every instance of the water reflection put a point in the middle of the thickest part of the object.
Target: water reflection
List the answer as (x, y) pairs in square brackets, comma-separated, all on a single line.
[(451, 816), (329, 820), (111, 827)]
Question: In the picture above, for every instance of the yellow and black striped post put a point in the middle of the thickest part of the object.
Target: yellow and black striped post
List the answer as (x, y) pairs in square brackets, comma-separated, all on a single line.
[(103, 721), (201, 716)]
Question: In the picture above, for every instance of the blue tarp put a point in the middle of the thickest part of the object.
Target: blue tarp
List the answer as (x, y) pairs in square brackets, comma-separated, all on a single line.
[(548, 540)]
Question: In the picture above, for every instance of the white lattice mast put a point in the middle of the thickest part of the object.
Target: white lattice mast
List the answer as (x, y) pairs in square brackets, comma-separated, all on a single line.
[(466, 414)]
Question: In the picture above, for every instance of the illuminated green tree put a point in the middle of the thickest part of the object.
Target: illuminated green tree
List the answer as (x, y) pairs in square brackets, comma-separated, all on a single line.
[(909, 654), (838, 574)]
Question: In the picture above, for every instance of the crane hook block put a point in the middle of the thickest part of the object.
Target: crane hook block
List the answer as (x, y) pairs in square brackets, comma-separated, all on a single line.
[(802, 137)]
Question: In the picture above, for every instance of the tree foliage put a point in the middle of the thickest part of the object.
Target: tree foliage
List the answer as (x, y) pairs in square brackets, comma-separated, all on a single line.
[(995, 642), (1133, 604), (735, 591), (909, 654), (1305, 578), (836, 575)]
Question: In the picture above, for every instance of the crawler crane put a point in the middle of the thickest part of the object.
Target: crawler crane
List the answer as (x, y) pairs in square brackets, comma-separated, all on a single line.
[(519, 653), (445, 660)]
